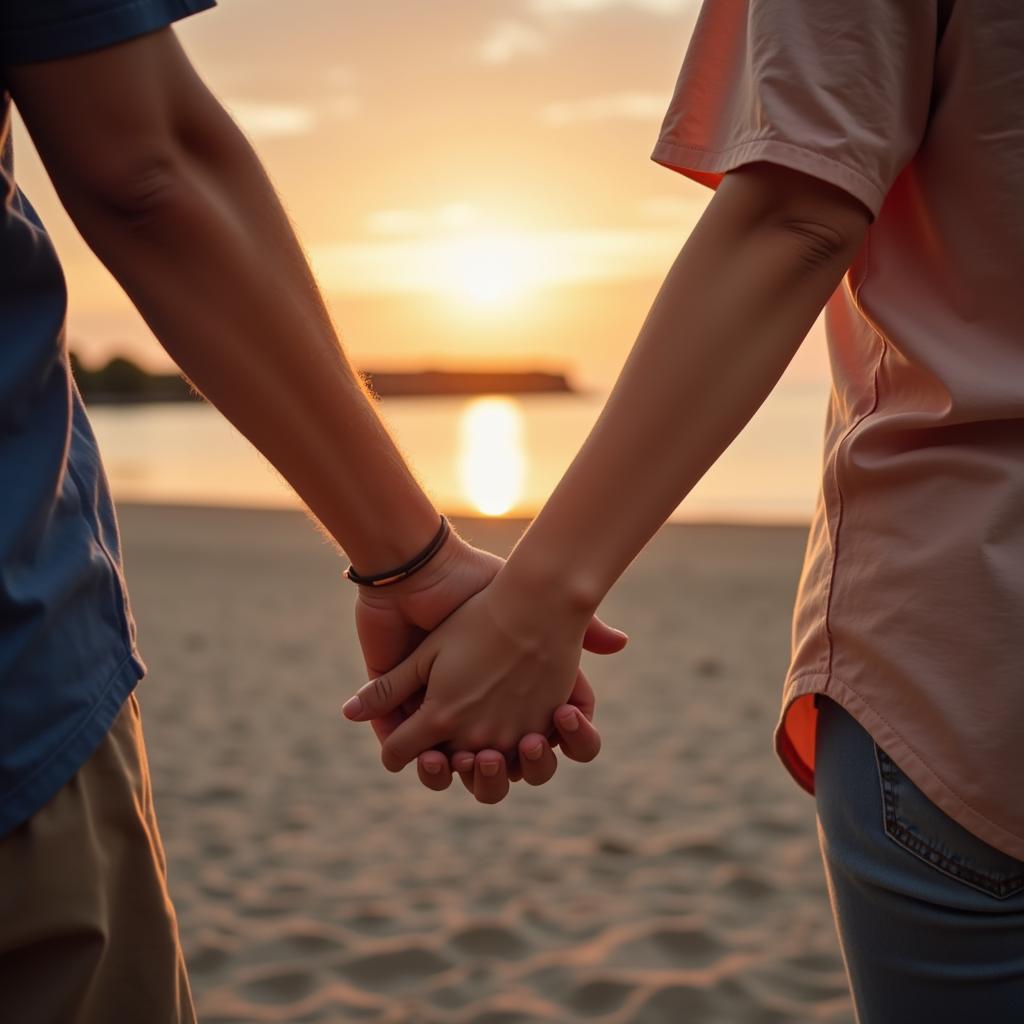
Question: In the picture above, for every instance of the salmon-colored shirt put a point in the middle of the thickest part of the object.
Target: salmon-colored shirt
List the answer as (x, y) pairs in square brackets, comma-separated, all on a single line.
[(910, 611)]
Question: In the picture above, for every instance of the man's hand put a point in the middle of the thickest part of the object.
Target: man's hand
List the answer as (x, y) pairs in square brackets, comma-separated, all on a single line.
[(393, 621), (493, 674)]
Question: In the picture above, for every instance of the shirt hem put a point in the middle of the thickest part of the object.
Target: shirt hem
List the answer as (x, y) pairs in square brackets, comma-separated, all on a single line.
[(909, 760), (18, 805), (94, 31), (686, 159)]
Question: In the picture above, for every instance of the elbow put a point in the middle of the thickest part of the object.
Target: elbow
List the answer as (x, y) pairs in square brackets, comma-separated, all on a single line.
[(148, 182), (820, 224), (819, 243), (141, 189), (134, 185)]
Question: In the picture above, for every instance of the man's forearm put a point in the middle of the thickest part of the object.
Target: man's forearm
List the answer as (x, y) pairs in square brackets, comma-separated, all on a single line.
[(199, 241), (217, 273), (732, 312)]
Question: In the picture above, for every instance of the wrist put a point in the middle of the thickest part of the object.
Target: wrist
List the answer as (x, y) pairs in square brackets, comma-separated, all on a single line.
[(548, 587), (393, 539), (453, 575)]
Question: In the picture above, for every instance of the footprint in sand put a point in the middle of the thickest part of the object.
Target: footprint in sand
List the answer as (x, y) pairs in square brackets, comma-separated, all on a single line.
[(747, 886), (300, 943), (208, 956), (674, 1004), (504, 1017), (490, 940), (599, 997), (279, 986), (668, 947), (393, 970)]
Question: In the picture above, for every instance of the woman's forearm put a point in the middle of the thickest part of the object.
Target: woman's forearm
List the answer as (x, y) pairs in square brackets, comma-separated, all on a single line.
[(732, 312)]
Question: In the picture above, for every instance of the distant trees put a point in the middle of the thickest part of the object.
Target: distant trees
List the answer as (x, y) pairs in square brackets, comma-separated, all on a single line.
[(122, 381)]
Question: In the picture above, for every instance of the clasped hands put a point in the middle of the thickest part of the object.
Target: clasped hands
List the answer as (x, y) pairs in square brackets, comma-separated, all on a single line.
[(475, 671)]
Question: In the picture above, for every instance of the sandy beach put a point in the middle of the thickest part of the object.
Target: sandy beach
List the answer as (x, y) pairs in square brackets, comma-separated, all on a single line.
[(676, 879)]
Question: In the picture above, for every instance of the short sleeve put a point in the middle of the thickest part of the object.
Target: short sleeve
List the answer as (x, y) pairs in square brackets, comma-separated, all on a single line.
[(834, 89), (33, 30)]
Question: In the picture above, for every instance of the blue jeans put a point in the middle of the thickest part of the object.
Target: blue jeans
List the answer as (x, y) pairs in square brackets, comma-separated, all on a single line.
[(930, 918)]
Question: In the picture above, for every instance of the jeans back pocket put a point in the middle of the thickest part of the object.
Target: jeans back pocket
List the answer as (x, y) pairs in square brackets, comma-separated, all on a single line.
[(913, 821)]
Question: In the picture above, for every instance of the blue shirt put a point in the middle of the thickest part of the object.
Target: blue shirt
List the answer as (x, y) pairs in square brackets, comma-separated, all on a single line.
[(68, 658)]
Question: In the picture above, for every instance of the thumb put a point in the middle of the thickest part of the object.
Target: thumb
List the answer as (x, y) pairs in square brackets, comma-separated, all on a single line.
[(387, 692), (600, 638)]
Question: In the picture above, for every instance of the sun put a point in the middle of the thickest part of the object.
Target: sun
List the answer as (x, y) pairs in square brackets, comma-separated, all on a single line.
[(488, 270)]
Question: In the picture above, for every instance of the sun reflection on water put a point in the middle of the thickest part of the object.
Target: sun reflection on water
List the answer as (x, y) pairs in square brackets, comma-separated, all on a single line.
[(492, 457)]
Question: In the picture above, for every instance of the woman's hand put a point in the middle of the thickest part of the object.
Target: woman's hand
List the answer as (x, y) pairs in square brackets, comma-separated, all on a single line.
[(494, 672), (391, 622), (486, 774)]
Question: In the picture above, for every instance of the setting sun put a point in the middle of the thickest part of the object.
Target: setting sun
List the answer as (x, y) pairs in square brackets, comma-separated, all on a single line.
[(485, 270), (492, 463)]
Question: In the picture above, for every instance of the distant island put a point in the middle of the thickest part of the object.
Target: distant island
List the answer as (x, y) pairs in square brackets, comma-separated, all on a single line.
[(122, 382), (466, 382)]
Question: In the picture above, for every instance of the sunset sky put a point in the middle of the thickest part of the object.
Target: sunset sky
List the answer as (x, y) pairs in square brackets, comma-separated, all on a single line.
[(471, 178)]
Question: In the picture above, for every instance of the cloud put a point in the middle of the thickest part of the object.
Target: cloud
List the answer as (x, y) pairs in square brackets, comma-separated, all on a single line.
[(340, 107), (273, 120), (510, 39), (675, 208), (620, 106), (538, 259), (656, 6), (451, 217)]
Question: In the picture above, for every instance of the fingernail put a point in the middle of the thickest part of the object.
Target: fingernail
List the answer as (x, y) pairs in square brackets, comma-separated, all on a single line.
[(489, 768), (464, 763), (352, 707), (569, 722), (433, 767), (534, 752)]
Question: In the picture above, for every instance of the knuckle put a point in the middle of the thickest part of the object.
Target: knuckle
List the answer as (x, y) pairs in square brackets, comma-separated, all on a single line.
[(390, 758), (381, 691), (477, 739), (508, 744), (443, 721)]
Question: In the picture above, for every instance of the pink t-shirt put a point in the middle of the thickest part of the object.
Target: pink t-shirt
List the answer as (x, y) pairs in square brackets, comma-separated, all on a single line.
[(910, 611)]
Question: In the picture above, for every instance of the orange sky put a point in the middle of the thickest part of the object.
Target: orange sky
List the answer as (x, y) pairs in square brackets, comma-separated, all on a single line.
[(471, 178)]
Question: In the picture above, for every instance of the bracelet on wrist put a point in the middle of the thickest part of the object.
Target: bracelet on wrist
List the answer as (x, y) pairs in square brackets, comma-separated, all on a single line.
[(404, 571)]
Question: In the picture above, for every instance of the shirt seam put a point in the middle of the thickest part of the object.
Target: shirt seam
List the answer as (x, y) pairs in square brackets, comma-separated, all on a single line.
[(839, 451), (119, 587), (757, 140), (793, 680), (119, 591)]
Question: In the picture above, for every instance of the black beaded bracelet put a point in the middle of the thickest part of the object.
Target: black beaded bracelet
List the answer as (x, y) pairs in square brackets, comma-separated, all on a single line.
[(383, 579)]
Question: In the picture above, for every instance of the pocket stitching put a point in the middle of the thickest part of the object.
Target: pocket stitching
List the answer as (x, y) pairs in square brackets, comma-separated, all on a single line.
[(926, 852)]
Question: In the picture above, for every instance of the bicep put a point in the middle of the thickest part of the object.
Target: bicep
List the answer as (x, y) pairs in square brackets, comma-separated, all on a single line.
[(111, 124)]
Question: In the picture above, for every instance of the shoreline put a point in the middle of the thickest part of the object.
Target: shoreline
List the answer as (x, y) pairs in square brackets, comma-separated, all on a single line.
[(520, 521)]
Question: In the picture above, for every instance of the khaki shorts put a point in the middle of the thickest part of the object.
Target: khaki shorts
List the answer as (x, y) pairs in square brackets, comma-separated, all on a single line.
[(87, 930)]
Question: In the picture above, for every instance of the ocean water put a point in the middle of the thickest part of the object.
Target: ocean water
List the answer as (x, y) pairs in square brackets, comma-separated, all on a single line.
[(487, 455)]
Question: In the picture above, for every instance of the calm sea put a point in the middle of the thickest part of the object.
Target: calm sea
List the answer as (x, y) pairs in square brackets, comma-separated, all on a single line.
[(489, 455)]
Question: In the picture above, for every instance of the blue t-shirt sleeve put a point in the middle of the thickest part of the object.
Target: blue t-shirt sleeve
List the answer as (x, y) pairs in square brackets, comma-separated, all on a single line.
[(32, 30)]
